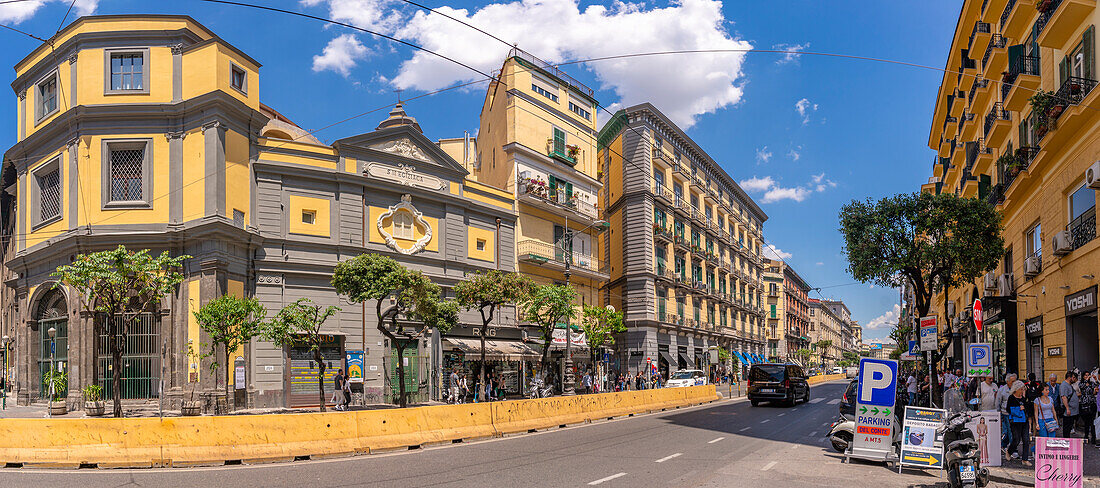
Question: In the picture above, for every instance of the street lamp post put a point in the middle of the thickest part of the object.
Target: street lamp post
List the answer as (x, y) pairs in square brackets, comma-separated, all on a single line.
[(568, 388), (7, 344), (53, 341)]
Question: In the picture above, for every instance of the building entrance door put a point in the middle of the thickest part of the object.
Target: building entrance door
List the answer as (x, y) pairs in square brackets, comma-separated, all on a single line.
[(1081, 341), (1035, 357)]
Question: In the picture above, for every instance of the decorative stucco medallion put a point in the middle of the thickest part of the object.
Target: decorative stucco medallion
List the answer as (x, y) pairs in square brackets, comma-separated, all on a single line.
[(418, 220)]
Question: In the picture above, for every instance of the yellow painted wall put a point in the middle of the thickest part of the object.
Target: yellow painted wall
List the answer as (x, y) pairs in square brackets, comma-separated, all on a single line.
[(64, 97), (488, 252), (199, 71), (91, 83), (55, 228), (194, 164), (94, 24), (349, 165), (298, 159), (320, 225), (194, 370), (616, 221), (376, 237), (238, 180), (90, 175)]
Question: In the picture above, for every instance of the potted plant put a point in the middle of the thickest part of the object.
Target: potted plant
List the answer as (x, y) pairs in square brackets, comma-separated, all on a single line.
[(93, 400), (56, 384), (1044, 6), (572, 151), (1046, 107), (191, 407)]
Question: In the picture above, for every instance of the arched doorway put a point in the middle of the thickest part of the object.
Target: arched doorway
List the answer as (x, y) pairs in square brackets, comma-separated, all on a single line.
[(52, 312)]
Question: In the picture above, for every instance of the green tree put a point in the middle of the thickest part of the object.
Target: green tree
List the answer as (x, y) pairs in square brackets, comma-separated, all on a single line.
[(803, 354), (118, 286), (230, 322), (548, 306), (600, 324), (932, 242), (822, 347), (850, 356), (487, 292), (376, 277), (300, 324)]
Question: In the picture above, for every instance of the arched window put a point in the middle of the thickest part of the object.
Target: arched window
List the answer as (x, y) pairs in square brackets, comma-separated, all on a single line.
[(52, 313), (403, 225)]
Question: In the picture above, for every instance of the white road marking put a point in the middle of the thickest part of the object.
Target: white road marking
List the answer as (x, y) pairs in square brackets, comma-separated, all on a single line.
[(768, 466), (619, 475), (764, 421), (746, 428), (782, 414), (795, 446), (834, 401), (666, 458), (816, 400), (715, 440)]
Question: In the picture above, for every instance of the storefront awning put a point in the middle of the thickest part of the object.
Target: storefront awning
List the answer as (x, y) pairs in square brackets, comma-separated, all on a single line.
[(496, 350), (688, 361), (668, 358)]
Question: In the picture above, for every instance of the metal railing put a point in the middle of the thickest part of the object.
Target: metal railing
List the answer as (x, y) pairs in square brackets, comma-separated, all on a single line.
[(556, 196), (553, 70), (996, 42), (140, 359), (663, 191), (998, 112), (1073, 91), (1045, 15), (550, 252), (1082, 229), (1007, 11), (996, 194), (1022, 65)]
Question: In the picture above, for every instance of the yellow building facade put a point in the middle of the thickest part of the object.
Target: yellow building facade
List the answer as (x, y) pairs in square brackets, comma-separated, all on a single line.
[(1013, 124)]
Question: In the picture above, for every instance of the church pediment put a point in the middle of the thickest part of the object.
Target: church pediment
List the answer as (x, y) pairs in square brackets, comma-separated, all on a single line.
[(400, 146)]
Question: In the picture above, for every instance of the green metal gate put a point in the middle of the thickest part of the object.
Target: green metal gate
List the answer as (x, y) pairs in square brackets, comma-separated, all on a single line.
[(411, 363), (140, 359)]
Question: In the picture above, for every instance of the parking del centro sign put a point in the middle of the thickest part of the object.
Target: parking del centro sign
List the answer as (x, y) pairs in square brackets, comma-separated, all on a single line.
[(875, 395)]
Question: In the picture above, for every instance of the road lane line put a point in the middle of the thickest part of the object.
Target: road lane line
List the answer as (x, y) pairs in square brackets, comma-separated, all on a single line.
[(715, 440), (766, 466), (764, 421), (816, 400), (619, 475), (782, 414), (666, 458), (746, 428), (834, 401)]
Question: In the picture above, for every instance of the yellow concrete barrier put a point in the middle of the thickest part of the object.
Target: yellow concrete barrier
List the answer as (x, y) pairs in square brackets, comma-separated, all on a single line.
[(183, 441), (821, 378)]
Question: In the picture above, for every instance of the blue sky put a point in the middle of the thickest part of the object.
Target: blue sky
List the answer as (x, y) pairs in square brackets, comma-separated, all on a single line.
[(804, 134)]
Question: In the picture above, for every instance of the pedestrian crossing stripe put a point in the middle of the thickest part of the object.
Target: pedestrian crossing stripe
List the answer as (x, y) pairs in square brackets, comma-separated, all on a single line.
[(834, 401), (816, 400)]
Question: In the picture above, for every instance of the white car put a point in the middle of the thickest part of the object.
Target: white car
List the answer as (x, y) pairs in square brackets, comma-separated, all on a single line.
[(838, 370), (687, 377)]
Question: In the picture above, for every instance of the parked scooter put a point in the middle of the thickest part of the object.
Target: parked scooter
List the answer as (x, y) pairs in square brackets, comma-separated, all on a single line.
[(962, 458), (843, 429)]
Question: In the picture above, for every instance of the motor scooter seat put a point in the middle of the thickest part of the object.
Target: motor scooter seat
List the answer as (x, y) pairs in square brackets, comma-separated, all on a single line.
[(962, 444)]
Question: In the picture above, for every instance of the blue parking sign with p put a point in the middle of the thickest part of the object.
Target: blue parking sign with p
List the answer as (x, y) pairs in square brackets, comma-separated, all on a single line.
[(878, 381)]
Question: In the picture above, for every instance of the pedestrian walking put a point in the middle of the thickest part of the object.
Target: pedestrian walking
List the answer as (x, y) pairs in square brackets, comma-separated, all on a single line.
[(1071, 403), (347, 390), (463, 388), (1003, 394), (987, 394), (1087, 388), (1045, 417), (454, 387), (1018, 419), (587, 382), (338, 390), (1055, 393), (911, 388)]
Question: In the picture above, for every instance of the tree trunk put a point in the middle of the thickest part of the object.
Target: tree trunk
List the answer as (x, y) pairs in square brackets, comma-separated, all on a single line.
[(320, 378), (545, 362), (484, 327), (401, 345), (116, 376), (386, 332), (228, 371)]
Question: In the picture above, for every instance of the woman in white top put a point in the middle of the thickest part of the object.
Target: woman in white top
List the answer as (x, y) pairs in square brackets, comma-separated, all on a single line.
[(1045, 418)]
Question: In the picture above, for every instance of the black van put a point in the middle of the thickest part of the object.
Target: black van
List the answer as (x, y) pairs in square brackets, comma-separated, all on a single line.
[(777, 382)]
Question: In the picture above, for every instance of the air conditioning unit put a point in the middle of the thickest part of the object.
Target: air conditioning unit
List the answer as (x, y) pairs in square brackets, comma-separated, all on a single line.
[(1005, 285), (950, 309), (990, 281), (1092, 176), (955, 322), (1032, 266), (1062, 244)]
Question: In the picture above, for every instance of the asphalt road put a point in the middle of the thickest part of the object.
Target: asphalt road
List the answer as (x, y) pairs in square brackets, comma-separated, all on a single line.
[(728, 443)]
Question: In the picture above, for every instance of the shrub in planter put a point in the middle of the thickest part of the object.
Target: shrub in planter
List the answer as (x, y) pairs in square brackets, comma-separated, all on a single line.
[(93, 400), (191, 407), (56, 384)]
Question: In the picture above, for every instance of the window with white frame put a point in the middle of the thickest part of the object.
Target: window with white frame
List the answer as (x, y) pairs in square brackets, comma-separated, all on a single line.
[(128, 71), (238, 78), (402, 225), (1034, 240)]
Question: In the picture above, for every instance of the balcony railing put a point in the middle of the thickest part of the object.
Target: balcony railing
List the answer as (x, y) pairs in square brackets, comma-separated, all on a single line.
[(1072, 91), (1083, 228), (1045, 15), (662, 233), (996, 194), (1007, 11), (996, 42), (663, 192), (544, 252), (998, 112), (556, 196), (552, 69), (1022, 65)]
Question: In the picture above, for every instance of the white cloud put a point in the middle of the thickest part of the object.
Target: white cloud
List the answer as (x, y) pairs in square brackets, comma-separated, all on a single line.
[(805, 108), (794, 153), (887, 320), (819, 263), (776, 253), (763, 155), (790, 56), (340, 55), (683, 87), (15, 13), (773, 192)]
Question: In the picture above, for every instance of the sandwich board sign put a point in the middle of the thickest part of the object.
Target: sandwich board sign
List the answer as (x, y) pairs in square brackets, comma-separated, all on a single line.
[(875, 395), (920, 445)]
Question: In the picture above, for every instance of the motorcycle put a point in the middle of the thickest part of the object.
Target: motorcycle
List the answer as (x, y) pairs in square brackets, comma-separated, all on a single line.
[(841, 433), (962, 458)]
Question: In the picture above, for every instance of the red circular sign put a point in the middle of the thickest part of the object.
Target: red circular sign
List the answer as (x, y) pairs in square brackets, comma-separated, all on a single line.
[(978, 314)]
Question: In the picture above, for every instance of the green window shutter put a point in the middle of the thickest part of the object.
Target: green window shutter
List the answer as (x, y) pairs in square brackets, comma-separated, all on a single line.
[(773, 311), (1013, 53), (1063, 70), (1089, 39), (553, 187), (984, 182), (559, 141), (568, 190)]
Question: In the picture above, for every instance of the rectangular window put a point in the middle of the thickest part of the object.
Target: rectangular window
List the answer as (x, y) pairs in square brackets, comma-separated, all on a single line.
[(580, 111), (659, 178), (47, 97), (238, 78), (309, 217), (127, 71), (681, 270), (695, 238), (559, 141), (541, 91), (1034, 240), (403, 225), (481, 244), (127, 173), (1081, 201), (662, 297), (49, 186)]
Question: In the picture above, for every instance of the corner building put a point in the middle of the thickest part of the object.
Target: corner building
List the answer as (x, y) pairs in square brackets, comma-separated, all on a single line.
[(148, 131), (684, 247), (1032, 158)]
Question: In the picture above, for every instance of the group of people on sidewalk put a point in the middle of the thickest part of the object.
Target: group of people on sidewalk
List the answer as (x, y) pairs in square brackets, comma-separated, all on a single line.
[(1028, 409), (460, 390)]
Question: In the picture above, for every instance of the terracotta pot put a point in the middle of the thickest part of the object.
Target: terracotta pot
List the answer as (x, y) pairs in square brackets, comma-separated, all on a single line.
[(191, 409), (58, 408), (94, 409)]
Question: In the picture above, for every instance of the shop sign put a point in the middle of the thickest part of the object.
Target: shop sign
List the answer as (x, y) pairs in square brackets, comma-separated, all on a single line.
[(1034, 326), (1059, 462), (1081, 302), (991, 309), (1054, 351), (468, 330), (355, 365), (920, 445)]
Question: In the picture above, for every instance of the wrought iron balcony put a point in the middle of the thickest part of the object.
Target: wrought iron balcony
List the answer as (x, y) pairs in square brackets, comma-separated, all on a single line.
[(536, 190), (1007, 11), (1083, 228), (1072, 91), (996, 113), (547, 254), (661, 233), (1022, 65), (996, 42), (1044, 15), (996, 194)]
